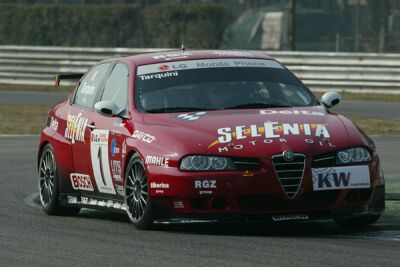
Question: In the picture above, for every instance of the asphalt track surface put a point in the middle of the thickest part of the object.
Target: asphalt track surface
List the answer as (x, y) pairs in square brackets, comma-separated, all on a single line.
[(28, 237), (373, 109)]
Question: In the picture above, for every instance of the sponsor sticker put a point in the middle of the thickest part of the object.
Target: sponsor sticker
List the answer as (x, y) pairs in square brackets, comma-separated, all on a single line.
[(234, 53), (53, 124), (143, 136), (191, 117), (178, 205), (291, 112), (269, 130), (119, 189), (159, 75), (290, 217), (114, 148), (157, 161), (88, 89), (76, 126), (81, 182), (90, 201), (205, 184), (72, 199), (116, 169), (152, 69), (172, 56), (124, 149), (340, 178), (99, 149), (98, 137), (159, 185)]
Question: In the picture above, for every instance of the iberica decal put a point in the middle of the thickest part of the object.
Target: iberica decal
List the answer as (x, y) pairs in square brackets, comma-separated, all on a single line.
[(340, 178), (157, 161), (143, 136), (81, 182), (268, 131), (159, 187), (100, 161), (191, 117), (76, 126)]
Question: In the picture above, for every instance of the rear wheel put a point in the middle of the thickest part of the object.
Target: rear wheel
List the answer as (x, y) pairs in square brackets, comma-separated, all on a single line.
[(48, 185), (359, 221), (137, 199)]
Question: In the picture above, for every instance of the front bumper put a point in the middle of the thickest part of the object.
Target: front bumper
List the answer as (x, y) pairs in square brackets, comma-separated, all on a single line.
[(375, 206), (258, 195)]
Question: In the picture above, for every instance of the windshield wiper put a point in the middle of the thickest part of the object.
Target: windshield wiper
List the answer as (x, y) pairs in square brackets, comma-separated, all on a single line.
[(257, 105), (175, 109)]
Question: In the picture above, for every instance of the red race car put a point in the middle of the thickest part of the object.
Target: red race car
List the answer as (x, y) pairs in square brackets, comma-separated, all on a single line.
[(194, 136)]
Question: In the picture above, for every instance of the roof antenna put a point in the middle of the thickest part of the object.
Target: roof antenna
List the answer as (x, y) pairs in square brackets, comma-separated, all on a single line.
[(183, 48)]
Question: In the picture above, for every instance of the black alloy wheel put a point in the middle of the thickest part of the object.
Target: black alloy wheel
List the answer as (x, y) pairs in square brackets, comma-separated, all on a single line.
[(137, 199), (48, 185)]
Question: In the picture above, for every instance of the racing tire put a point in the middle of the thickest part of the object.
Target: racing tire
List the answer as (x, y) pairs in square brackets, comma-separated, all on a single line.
[(48, 185), (359, 221), (137, 197)]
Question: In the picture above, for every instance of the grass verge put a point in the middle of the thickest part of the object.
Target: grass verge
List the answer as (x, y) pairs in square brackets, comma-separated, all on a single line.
[(22, 119), (375, 126), (365, 97)]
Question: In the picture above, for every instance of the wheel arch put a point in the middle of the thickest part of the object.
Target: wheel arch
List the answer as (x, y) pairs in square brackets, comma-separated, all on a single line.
[(41, 148), (128, 157)]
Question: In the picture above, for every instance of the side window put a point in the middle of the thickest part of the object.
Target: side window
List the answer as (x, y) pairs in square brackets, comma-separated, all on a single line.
[(90, 85), (116, 89)]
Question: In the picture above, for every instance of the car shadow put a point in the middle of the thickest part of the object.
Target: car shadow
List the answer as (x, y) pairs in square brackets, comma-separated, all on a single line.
[(283, 229)]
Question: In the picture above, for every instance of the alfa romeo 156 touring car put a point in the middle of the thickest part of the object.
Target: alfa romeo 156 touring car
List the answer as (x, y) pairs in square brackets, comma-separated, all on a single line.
[(186, 136)]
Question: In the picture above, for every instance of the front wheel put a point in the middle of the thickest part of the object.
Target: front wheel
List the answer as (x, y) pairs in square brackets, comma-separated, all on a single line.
[(137, 199), (48, 185), (358, 221)]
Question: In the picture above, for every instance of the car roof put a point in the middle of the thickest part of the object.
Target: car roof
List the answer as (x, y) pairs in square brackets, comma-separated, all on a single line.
[(180, 55)]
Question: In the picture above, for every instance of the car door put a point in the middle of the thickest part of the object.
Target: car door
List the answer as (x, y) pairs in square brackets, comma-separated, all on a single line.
[(108, 138), (80, 124)]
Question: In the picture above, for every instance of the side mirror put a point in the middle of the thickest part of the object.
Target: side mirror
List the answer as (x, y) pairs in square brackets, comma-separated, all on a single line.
[(330, 99), (106, 108)]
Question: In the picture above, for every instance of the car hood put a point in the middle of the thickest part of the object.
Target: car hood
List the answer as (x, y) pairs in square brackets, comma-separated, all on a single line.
[(251, 132)]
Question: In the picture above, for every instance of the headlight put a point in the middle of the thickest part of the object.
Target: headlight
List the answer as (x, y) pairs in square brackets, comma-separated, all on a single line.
[(353, 155), (206, 163)]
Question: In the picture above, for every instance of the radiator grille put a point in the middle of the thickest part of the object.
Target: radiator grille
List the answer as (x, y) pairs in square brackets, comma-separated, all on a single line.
[(290, 173)]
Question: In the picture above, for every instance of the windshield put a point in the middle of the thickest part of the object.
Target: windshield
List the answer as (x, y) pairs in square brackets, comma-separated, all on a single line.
[(217, 84)]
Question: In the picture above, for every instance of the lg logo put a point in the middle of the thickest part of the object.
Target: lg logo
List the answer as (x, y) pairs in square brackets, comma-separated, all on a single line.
[(205, 184)]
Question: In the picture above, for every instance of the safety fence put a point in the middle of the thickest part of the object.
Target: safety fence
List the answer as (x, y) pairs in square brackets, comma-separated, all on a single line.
[(357, 72)]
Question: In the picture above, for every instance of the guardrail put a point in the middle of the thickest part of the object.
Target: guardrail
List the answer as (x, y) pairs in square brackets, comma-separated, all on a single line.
[(321, 71)]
